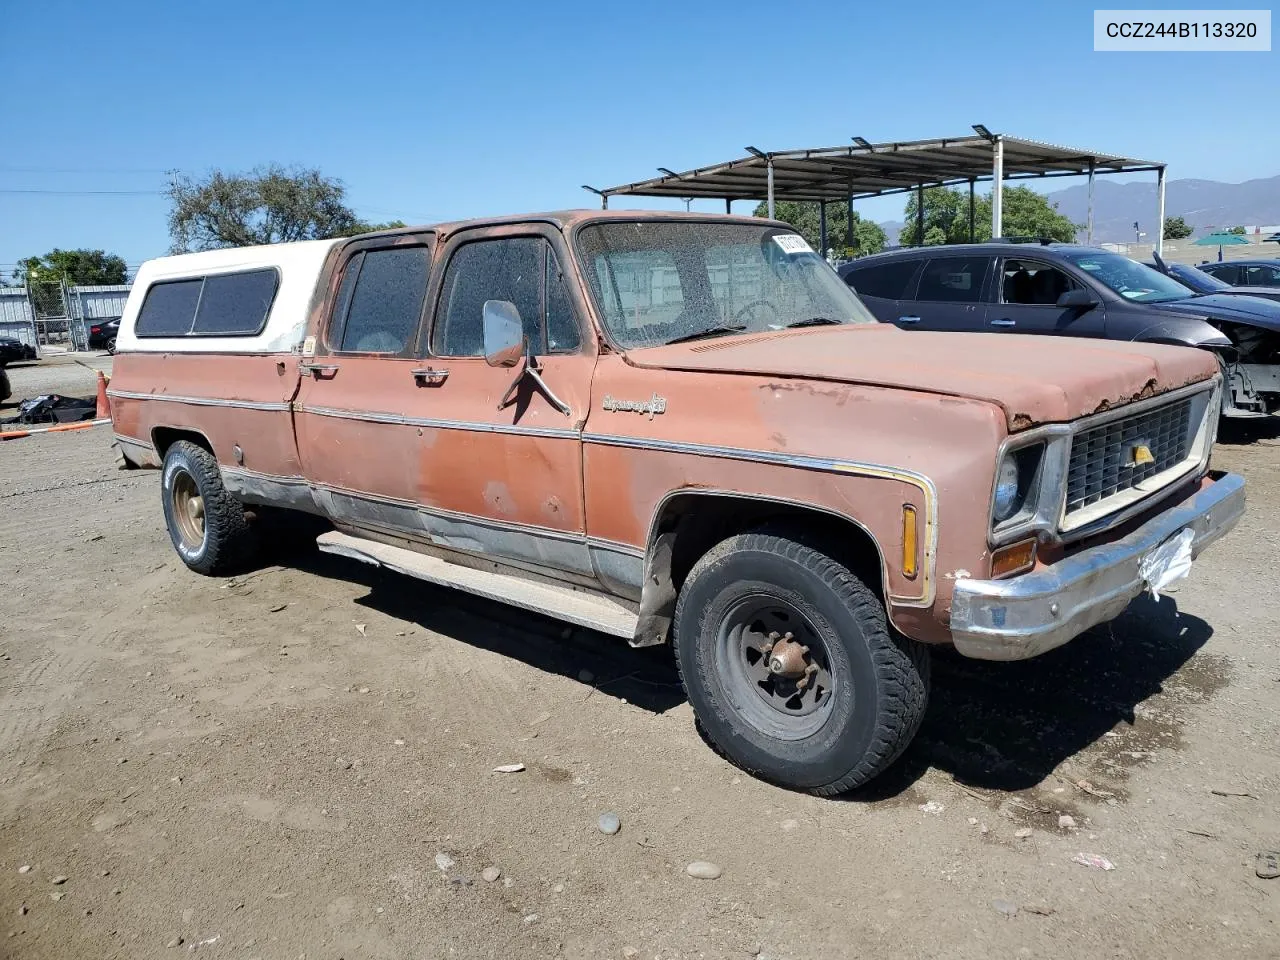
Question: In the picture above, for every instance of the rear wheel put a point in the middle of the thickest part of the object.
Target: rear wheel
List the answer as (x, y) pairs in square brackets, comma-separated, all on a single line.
[(111, 346), (790, 665), (206, 523)]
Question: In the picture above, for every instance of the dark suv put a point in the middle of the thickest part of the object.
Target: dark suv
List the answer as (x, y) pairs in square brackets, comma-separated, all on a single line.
[(1074, 291)]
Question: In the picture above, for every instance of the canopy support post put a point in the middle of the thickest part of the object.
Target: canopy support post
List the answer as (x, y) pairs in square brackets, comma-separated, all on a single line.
[(822, 228), (728, 205), (769, 163), (848, 225), (1160, 212), (920, 215), (972, 234), (1089, 235), (997, 189)]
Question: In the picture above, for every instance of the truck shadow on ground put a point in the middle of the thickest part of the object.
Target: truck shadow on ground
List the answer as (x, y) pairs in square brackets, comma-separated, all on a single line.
[(996, 726), (646, 678), (1007, 726)]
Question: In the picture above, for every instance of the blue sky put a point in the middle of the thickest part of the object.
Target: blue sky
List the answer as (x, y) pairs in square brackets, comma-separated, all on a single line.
[(445, 110)]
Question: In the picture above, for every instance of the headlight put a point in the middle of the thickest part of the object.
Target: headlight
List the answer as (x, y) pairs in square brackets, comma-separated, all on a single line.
[(1007, 488)]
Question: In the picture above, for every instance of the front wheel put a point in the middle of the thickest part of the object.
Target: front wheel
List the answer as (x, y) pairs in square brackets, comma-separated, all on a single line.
[(111, 346), (790, 665), (206, 523)]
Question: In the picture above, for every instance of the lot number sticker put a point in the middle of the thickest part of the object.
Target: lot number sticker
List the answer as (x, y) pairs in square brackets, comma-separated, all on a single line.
[(792, 243)]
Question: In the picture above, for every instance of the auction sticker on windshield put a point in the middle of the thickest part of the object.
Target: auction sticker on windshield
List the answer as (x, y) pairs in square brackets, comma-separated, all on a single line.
[(792, 243)]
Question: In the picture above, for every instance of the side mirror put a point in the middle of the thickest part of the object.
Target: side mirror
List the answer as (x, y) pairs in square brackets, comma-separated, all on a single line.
[(1080, 299), (504, 342)]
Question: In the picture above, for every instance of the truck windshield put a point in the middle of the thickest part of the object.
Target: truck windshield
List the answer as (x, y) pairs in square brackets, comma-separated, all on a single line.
[(1130, 279), (655, 282)]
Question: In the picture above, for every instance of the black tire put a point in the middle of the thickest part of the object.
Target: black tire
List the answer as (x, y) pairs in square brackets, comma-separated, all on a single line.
[(220, 541), (879, 680), (111, 346), (6, 391)]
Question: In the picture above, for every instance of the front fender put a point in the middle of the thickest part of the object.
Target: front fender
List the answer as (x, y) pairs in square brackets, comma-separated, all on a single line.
[(1187, 332)]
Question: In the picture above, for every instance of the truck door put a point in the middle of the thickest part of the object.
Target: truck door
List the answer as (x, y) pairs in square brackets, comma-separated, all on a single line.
[(501, 454), (357, 440)]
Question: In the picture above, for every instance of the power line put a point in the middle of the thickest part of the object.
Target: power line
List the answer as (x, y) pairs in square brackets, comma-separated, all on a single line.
[(93, 193), (8, 168)]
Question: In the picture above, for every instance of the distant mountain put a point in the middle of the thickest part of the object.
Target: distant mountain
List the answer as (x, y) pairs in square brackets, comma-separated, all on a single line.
[(1206, 205), (892, 228)]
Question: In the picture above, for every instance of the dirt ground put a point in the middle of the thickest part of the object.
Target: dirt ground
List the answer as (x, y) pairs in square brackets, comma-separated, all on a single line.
[(271, 766)]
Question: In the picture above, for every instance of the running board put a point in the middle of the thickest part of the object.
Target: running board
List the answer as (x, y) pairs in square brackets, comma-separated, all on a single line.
[(593, 610)]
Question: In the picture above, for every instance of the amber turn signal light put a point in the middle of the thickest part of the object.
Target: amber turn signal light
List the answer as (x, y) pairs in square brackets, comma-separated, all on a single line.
[(1015, 558), (910, 563)]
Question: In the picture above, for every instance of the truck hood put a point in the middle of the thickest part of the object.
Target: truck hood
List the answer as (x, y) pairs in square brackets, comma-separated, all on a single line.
[(1228, 306), (1032, 379)]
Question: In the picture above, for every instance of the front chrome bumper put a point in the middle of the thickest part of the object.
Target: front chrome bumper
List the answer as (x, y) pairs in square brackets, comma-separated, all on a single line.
[(1025, 616)]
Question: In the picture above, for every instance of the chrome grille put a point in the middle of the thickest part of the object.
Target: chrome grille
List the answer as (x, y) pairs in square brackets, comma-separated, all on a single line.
[(1102, 458)]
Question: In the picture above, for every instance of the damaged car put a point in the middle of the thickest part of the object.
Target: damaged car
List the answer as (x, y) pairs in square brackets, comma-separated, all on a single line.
[(1075, 291)]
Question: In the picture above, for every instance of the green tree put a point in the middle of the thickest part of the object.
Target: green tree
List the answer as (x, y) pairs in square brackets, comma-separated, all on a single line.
[(1175, 228), (271, 204), (360, 226), (1238, 231), (868, 237), (76, 267), (946, 217)]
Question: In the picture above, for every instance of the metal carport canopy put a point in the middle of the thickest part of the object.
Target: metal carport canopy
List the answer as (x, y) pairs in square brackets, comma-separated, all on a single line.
[(864, 169)]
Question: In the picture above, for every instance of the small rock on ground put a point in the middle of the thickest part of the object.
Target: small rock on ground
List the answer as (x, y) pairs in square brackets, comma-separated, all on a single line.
[(25, 868), (175, 942), (1005, 907), (58, 881), (586, 676), (445, 862), (490, 874), (609, 823), (704, 870), (1023, 833), (1066, 822), (1267, 865)]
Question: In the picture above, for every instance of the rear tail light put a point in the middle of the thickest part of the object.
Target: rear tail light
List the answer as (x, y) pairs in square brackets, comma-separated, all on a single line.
[(95, 329)]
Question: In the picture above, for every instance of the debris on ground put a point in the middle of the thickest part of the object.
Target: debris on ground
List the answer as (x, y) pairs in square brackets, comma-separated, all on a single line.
[(1093, 860), (509, 768), (609, 823), (933, 806), (1039, 910), (704, 870), (1267, 865), (1005, 907), (1066, 822), (490, 874)]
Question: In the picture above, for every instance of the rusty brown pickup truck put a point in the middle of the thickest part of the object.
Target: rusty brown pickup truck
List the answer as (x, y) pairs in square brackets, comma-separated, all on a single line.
[(676, 428)]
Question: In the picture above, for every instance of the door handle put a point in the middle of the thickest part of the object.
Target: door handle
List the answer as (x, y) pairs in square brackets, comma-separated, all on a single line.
[(908, 319), (1004, 322), (316, 369), (427, 377)]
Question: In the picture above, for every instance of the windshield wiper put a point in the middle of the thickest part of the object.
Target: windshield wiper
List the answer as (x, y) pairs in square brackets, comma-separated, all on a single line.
[(721, 331), (814, 322)]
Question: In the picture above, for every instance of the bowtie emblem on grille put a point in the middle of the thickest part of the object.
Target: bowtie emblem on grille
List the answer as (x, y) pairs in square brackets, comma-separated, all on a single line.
[(1140, 454)]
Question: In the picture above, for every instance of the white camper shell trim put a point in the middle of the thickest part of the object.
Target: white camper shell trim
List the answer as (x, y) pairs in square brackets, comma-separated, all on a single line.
[(298, 264)]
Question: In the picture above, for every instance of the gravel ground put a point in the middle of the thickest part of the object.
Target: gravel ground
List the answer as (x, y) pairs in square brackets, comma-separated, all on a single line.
[(300, 763)]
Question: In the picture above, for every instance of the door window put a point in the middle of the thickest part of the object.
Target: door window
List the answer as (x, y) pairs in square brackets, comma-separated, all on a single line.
[(1230, 274), (1261, 275), (380, 300), (1032, 283), (889, 281), (953, 279), (521, 270)]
